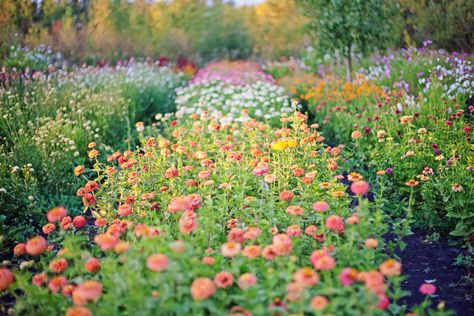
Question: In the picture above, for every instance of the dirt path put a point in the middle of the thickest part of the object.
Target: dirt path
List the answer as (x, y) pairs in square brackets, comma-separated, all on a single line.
[(422, 261)]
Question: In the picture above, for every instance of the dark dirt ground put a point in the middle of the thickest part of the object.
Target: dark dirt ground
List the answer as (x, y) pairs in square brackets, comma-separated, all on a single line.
[(423, 261)]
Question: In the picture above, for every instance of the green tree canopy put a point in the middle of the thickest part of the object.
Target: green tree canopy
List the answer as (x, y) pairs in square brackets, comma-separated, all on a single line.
[(342, 27)]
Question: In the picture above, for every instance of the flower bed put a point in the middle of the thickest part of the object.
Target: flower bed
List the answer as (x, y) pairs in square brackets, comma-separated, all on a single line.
[(415, 130), (239, 219), (236, 91), (235, 73)]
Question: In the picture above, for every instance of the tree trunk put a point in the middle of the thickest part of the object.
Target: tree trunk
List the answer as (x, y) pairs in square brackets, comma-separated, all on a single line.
[(349, 64)]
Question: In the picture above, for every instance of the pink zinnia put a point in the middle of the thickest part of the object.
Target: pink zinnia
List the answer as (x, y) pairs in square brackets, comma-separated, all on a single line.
[(188, 222), (427, 289), (360, 187), (157, 262), (320, 206), (247, 280), (306, 277), (348, 276), (230, 249), (383, 302), (282, 244), (223, 279), (335, 223)]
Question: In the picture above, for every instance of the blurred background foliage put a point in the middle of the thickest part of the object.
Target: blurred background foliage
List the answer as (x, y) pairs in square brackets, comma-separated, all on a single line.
[(206, 30)]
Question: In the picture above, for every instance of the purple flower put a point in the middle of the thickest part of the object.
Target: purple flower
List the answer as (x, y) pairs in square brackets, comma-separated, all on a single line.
[(389, 170), (427, 42)]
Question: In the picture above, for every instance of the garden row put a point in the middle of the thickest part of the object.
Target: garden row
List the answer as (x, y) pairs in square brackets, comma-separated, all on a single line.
[(218, 213), (408, 114)]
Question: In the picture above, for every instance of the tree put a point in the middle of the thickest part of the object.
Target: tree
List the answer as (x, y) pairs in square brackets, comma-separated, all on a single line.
[(277, 28), (344, 27), (448, 23)]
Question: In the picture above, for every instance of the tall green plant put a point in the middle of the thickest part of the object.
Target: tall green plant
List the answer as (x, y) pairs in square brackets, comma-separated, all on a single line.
[(346, 27)]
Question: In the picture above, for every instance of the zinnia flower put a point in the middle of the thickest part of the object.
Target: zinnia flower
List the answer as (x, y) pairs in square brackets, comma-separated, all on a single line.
[(295, 210), (6, 278), (411, 183), (106, 241), (427, 289), (39, 279), (356, 135), (335, 223), (306, 277), (391, 267), (251, 251), (92, 265), (58, 265), (79, 170), (223, 279), (282, 245), (36, 245), (286, 196), (124, 210), (318, 302), (56, 214), (360, 187), (157, 262), (48, 228), (230, 249), (57, 283), (202, 289), (86, 292), (247, 280), (78, 311), (320, 206), (79, 221), (348, 276), (19, 250), (371, 243)]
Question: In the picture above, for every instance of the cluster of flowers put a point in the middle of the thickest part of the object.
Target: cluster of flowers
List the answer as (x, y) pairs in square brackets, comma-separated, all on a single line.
[(235, 73), (23, 60), (232, 95), (140, 73), (237, 219), (417, 70)]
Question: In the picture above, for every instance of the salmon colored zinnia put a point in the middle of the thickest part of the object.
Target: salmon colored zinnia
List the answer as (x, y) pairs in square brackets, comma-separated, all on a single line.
[(36, 245), (78, 311), (157, 262), (86, 292), (6, 278), (202, 289), (56, 214)]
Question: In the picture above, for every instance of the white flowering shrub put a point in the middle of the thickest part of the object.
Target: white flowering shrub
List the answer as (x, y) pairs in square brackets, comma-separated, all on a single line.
[(263, 101)]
